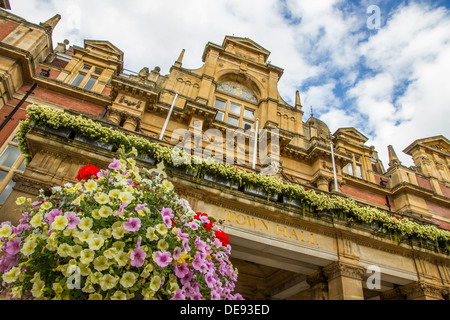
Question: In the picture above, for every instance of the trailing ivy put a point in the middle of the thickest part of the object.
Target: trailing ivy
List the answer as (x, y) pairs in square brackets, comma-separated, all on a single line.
[(45, 116)]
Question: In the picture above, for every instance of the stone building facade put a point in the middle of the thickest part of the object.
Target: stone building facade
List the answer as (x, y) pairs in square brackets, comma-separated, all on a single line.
[(283, 249)]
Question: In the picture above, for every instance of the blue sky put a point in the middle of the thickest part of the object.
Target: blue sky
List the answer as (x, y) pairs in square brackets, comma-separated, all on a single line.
[(390, 82)]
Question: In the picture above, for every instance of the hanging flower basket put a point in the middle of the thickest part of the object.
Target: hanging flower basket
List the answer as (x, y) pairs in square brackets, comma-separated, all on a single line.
[(114, 235)]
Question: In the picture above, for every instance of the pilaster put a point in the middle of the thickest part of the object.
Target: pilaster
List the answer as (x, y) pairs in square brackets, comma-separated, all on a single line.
[(344, 281)]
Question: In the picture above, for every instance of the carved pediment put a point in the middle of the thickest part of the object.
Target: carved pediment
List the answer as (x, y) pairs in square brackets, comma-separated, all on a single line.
[(438, 143), (351, 134), (246, 47)]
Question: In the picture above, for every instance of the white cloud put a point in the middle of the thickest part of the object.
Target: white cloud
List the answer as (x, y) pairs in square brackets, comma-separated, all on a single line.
[(407, 99), (391, 84)]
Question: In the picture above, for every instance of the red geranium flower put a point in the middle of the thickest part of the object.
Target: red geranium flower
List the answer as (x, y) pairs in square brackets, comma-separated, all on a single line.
[(222, 236), (209, 225), (86, 172)]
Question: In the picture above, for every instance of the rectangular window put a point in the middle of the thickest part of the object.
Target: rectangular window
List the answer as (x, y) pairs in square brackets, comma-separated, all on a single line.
[(98, 71), (219, 116), (359, 171), (220, 104), (235, 108), (90, 83), (78, 79), (248, 113), (350, 169), (7, 190), (234, 121), (9, 156)]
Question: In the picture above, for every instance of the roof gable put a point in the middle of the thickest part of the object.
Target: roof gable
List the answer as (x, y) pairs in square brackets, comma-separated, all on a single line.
[(437, 143), (246, 47), (352, 134)]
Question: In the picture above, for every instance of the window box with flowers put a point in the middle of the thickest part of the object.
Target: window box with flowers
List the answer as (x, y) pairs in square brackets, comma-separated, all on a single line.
[(262, 185), (93, 142)]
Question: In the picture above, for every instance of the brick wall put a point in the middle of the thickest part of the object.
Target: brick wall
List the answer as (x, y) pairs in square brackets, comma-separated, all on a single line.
[(46, 95), (6, 27), (375, 198)]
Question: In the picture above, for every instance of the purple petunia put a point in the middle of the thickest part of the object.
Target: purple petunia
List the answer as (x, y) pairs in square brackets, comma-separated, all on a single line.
[(115, 164), (133, 224), (163, 258), (73, 220), (13, 246), (52, 214), (137, 257)]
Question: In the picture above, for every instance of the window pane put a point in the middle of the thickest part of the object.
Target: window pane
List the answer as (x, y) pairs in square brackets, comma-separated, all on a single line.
[(98, 71), (76, 82), (90, 83), (248, 113), (22, 166), (233, 121), (7, 191), (219, 115), (220, 104), (235, 108), (2, 175), (86, 67), (350, 169), (359, 171), (9, 156)]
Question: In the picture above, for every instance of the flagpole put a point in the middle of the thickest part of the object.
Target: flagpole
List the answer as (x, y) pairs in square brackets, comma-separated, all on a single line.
[(334, 168), (168, 117), (255, 146)]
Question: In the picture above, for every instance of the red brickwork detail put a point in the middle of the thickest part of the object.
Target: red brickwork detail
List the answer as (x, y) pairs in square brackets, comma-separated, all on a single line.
[(64, 100), (6, 28), (46, 95), (424, 183), (12, 123), (53, 73), (365, 195), (437, 209), (442, 224), (445, 190)]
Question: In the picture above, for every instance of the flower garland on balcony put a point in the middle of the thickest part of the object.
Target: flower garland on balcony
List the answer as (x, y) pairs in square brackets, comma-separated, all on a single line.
[(388, 224), (115, 235)]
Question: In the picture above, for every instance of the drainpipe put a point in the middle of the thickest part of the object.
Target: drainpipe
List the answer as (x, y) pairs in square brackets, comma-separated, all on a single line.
[(9, 117)]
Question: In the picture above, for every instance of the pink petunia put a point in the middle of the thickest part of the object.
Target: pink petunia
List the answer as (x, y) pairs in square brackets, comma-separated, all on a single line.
[(73, 220), (181, 270), (133, 224), (115, 164), (137, 257), (163, 258), (177, 253), (52, 214), (167, 221), (178, 295), (167, 212), (13, 246)]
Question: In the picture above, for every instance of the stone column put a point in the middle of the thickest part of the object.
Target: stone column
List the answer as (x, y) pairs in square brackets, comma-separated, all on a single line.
[(344, 281), (115, 116), (131, 122), (319, 285)]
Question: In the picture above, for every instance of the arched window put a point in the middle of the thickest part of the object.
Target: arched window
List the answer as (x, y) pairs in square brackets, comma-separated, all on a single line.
[(236, 104), (238, 90)]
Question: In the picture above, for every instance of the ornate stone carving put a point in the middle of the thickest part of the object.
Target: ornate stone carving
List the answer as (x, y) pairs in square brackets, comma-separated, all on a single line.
[(419, 290), (341, 269)]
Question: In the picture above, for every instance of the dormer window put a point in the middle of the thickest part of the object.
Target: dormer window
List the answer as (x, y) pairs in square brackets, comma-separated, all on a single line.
[(87, 77)]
